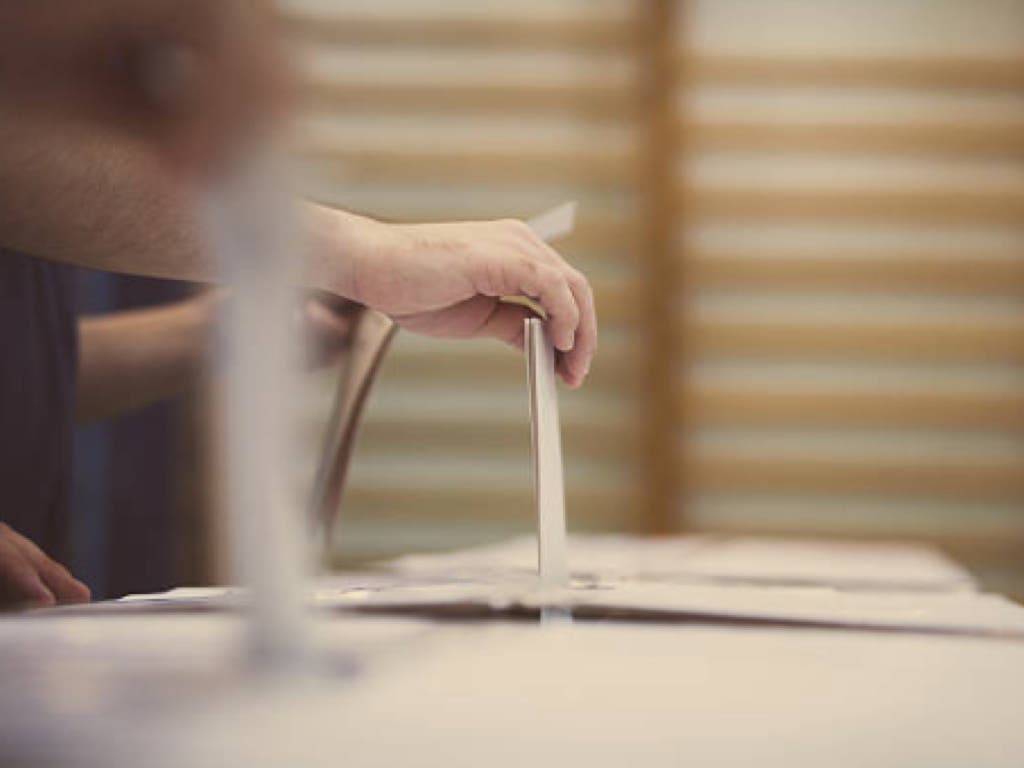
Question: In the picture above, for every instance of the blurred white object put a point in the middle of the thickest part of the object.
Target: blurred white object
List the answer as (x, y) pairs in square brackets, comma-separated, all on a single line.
[(251, 228), (711, 558), (555, 223)]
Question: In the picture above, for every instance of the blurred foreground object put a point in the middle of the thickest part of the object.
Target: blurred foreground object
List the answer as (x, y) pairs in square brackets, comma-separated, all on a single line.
[(191, 76), (198, 81)]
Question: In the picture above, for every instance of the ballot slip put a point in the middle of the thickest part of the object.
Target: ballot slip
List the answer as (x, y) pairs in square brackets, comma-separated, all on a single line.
[(548, 483), (554, 223)]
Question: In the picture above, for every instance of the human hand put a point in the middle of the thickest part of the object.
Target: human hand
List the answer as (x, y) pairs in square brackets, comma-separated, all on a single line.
[(29, 578), (449, 280), (326, 324)]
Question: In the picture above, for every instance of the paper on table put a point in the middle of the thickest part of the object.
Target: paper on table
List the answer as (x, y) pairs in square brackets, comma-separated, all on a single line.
[(960, 612), (709, 558)]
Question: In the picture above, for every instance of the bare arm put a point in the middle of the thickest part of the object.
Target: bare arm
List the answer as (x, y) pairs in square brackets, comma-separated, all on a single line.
[(85, 198), (131, 359), (100, 152), (75, 194)]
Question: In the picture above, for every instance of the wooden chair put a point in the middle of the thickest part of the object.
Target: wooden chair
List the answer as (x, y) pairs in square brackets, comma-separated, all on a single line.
[(370, 340)]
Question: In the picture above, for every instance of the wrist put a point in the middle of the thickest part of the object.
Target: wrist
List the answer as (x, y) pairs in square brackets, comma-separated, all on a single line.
[(343, 248)]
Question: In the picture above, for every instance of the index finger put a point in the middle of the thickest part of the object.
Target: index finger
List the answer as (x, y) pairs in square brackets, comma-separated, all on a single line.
[(577, 361), (59, 581)]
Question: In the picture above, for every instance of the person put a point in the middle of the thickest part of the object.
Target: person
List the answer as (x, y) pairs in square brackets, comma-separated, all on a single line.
[(113, 114)]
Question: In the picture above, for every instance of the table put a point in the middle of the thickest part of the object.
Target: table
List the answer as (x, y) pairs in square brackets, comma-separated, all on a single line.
[(161, 681)]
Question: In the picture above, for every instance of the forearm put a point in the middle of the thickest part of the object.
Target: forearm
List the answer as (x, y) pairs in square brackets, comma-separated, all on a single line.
[(87, 199), (131, 359), (75, 195)]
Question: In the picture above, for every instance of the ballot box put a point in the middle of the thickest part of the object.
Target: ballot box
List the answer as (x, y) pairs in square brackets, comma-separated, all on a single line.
[(686, 650)]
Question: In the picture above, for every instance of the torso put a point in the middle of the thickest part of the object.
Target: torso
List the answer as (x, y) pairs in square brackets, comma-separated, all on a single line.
[(38, 361)]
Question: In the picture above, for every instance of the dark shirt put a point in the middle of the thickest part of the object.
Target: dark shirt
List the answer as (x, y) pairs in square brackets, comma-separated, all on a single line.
[(38, 362)]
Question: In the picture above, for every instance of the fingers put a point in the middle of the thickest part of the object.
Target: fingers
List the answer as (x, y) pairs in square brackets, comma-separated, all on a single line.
[(505, 323), (20, 583), (550, 287), (323, 320), (446, 280), (65, 587), (568, 299), (27, 575), (577, 361)]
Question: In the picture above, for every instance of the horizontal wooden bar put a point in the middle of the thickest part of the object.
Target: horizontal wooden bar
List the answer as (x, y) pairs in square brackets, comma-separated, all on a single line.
[(963, 138), (493, 437), (594, 230), (860, 70), (584, 506), (611, 371), (513, 165), (968, 547), (961, 479), (943, 274), (597, 99), (967, 206), (618, 235), (949, 341), (583, 32), (718, 405)]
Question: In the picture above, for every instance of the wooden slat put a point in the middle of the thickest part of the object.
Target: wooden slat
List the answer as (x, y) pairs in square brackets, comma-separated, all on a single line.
[(954, 275), (597, 99), (475, 32), (940, 479), (603, 233), (594, 230), (585, 507), (717, 405), (974, 138), (949, 341), (610, 371), (493, 437), (965, 547), (661, 272), (967, 206), (837, 70), (513, 165)]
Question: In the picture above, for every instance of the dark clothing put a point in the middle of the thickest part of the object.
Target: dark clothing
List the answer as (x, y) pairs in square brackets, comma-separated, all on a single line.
[(38, 363)]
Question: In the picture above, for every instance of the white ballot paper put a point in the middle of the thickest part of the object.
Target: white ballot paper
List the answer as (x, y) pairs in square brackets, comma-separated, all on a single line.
[(555, 223), (548, 484)]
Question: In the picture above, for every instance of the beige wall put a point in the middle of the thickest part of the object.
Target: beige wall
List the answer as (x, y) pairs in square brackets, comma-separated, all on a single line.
[(444, 460)]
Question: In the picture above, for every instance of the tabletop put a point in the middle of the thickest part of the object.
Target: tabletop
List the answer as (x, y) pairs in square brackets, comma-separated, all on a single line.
[(161, 679)]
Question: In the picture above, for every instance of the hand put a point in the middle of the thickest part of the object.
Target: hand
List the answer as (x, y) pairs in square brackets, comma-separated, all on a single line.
[(29, 577), (448, 280), (326, 324)]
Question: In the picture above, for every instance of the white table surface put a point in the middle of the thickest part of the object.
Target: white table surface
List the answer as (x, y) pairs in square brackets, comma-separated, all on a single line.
[(159, 684)]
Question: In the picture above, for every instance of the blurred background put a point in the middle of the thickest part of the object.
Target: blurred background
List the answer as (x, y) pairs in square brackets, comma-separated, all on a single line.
[(804, 221)]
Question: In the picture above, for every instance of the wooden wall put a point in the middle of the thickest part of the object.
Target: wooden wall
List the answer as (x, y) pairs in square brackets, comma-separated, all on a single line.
[(805, 225)]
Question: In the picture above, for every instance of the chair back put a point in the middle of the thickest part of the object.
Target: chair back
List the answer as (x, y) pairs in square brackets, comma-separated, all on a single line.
[(370, 340)]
